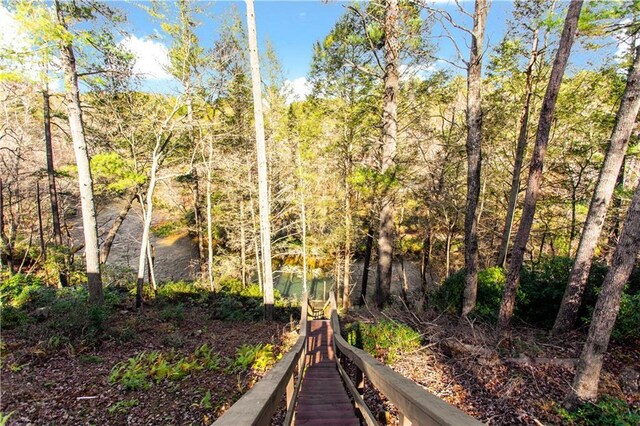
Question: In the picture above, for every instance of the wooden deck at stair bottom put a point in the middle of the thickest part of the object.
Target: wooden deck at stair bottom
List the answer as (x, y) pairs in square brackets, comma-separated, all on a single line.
[(323, 399)]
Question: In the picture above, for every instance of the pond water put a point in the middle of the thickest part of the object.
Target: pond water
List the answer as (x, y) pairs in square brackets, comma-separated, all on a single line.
[(290, 285)]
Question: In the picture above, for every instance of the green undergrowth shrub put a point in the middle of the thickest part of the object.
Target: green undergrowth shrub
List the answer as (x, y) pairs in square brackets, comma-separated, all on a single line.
[(258, 357), (491, 282), (172, 313), (179, 291), (543, 284), (607, 411), (146, 368), (385, 339), (237, 303), (28, 303), (540, 293)]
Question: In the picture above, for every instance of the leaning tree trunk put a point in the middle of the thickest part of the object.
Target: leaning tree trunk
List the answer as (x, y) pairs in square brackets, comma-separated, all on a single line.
[(386, 233), (85, 180), (537, 162), (520, 149), (474, 157), (263, 177), (585, 383), (616, 221), (147, 208), (625, 121), (105, 249)]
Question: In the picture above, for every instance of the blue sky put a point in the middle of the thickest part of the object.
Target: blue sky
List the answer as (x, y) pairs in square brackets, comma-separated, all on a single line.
[(293, 27)]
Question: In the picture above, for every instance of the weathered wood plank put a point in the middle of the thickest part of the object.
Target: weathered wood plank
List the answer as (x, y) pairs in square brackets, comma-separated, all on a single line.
[(256, 407), (418, 405)]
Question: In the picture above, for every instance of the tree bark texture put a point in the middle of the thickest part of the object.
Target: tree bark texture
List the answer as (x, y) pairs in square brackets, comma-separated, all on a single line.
[(386, 235), (585, 383), (365, 267), (263, 177), (43, 248), (625, 120), (85, 180), (520, 150), (346, 290), (474, 157), (51, 174), (537, 161), (5, 257), (146, 226)]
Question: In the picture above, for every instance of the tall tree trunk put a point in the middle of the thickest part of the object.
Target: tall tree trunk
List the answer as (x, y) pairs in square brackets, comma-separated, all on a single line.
[(521, 146), (85, 180), (263, 176), (303, 222), (243, 245), (151, 263), (625, 120), (5, 258), (43, 248), (474, 157), (51, 174), (105, 249), (616, 220), (346, 290), (537, 161), (147, 210), (368, 248), (209, 217), (585, 383), (448, 249), (386, 235), (425, 260), (197, 215)]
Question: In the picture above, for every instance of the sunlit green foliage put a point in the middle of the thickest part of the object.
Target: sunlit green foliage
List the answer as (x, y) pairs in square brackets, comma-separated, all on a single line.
[(385, 339)]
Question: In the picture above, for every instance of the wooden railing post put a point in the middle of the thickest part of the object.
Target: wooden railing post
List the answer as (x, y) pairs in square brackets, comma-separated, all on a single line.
[(359, 381), (290, 389), (413, 402)]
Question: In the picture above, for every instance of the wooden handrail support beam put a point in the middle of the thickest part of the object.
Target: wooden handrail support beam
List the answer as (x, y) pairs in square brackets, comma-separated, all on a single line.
[(416, 405), (257, 406)]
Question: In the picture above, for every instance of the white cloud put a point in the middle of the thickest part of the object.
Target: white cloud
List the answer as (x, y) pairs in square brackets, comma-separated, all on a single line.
[(152, 58), (297, 89)]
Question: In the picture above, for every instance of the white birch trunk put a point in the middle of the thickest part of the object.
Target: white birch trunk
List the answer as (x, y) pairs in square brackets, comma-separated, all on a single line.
[(263, 191), (85, 180)]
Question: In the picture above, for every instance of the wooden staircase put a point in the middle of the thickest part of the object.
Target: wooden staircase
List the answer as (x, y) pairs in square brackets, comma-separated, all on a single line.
[(315, 384), (323, 399)]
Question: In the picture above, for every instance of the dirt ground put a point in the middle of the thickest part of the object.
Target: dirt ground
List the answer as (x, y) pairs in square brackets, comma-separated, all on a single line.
[(520, 381), (68, 384)]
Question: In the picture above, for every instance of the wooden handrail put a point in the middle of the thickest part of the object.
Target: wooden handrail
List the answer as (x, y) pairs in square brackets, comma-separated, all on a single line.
[(416, 405), (256, 407)]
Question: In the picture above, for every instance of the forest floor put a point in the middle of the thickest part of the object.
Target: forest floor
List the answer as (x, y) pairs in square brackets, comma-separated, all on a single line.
[(522, 380), (47, 379)]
